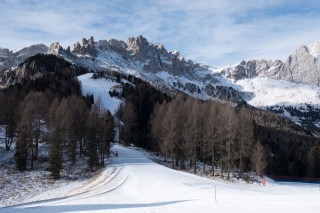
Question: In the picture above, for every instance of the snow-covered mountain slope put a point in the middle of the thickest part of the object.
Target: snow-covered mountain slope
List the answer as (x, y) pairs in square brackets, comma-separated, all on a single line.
[(296, 101), (9, 58), (261, 83), (263, 92), (152, 63), (100, 88), (141, 185)]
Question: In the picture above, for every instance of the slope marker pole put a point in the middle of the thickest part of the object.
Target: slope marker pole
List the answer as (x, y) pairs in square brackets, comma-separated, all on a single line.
[(215, 192)]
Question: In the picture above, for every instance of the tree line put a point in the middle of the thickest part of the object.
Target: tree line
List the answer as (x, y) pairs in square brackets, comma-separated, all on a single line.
[(214, 133), (69, 126), (233, 138), (184, 130), (51, 110)]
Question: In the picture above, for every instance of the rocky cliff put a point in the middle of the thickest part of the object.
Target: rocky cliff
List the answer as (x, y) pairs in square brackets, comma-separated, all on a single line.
[(150, 62), (10, 59), (303, 66)]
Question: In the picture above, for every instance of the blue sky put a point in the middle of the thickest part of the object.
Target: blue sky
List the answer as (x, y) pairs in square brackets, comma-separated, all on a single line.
[(215, 32)]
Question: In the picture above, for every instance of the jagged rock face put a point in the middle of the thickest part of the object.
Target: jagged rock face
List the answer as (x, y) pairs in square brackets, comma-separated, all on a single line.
[(254, 68), (55, 48), (85, 48), (303, 66), (25, 53), (10, 59), (117, 45), (153, 57), (6, 58), (156, 58), (147, 60)]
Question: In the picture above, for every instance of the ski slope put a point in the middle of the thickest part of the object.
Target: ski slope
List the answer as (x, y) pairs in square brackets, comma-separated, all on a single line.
[(140, 185), (100, 89)]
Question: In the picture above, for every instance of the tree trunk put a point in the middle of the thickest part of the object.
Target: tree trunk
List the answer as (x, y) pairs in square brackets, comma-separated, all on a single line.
[(194, 163), (32, 155), (80, 146), (177, 162), (212, 163), (6, 139), (172, 162), (37, 137), (204, 164)]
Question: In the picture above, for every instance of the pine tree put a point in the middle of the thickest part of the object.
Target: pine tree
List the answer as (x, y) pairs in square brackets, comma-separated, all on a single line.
[(21, 153), (108, 133), (156, 128), (91, 138), (55, 153), (315, 153), (129, 118)]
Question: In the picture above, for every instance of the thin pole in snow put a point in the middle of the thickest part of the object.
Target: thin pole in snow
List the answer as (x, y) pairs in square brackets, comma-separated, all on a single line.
[(215, 193)]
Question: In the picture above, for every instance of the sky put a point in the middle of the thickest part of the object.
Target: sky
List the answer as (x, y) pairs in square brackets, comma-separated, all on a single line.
[(215, 32)]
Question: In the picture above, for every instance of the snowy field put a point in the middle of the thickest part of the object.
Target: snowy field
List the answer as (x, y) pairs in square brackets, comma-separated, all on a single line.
[(269, 92), (19, 187), (134, 183), (100, 89)]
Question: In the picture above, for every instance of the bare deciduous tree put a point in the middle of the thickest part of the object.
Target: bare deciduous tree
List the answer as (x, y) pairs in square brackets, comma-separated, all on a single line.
[(258, 158)]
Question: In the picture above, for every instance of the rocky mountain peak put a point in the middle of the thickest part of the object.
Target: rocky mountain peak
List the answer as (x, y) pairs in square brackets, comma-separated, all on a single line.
[(117, 45), (8, 58), (139, 43), (55, 48), (85, 48), (5, 52), (303, 66)]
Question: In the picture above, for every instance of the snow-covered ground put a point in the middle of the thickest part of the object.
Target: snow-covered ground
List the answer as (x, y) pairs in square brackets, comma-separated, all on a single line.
[(140, 185), (19, 187), (100, 89), (269, 92)]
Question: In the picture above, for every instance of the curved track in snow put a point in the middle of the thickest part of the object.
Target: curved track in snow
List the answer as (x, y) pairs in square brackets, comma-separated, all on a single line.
[(137, 184)]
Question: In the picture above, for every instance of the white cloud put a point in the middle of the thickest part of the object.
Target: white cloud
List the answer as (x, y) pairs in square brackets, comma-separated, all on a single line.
[(211, 31)]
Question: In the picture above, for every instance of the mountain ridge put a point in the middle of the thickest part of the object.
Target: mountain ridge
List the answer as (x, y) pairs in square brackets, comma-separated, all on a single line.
[(302, 66), (9, 58), (256, 82)]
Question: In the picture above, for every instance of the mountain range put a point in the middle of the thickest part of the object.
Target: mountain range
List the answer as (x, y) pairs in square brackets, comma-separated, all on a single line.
[(290, 88)]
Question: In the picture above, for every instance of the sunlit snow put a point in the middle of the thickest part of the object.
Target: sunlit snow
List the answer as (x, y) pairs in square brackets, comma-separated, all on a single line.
[(100, 89), (268, 92), (140, 185)]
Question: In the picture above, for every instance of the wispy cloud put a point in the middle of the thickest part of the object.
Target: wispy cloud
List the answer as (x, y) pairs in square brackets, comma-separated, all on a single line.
[(215, 32)]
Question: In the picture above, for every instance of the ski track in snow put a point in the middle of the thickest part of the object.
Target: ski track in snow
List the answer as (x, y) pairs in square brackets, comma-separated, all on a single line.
[(140, 185)]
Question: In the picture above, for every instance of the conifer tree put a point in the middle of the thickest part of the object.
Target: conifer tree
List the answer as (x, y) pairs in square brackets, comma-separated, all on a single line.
[(91, 138), (55, 153), (315, 153), (108, 131), (21, 153)]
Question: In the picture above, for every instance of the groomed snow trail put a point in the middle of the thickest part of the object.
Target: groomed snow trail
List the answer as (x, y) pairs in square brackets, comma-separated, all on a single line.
[(140, 185)]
